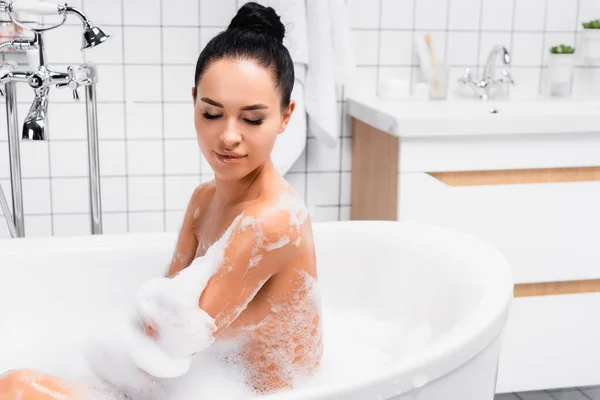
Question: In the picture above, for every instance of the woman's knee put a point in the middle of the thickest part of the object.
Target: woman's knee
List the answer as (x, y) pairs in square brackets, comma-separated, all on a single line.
[(34, 384), (12, 380), (14, 375)]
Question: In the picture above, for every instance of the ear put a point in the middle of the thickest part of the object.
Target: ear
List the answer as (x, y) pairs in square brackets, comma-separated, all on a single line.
[(287, 114), (194, 94)]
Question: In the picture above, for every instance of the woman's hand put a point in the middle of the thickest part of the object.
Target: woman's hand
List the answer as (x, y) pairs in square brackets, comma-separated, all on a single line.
[(149, 330)]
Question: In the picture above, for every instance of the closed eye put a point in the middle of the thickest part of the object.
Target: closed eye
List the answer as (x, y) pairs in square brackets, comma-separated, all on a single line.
[(254, 121), (210, 116)]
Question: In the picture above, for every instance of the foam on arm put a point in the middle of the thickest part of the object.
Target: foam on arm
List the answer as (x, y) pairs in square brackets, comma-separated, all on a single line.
[(190, 310), (257, 249)]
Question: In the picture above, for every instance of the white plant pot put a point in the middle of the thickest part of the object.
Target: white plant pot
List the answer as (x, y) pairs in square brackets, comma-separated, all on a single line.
[(590, 39), (560, 74)]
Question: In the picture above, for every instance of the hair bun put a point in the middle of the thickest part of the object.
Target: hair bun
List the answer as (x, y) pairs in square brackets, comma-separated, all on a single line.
[(258, 18)]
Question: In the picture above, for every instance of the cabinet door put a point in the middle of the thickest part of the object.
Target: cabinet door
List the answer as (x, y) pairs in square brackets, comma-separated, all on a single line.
[(547, 231)]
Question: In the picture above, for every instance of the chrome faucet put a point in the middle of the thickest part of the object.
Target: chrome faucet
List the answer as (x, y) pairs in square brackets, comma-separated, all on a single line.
[(489, 85), (40, 80)]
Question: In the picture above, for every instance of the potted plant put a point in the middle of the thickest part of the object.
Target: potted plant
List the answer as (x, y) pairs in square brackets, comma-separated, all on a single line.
[(591, 41), (560, 69)]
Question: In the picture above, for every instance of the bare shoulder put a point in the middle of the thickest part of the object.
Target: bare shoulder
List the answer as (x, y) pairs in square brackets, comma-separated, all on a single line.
[(282, 218), (200, 198)]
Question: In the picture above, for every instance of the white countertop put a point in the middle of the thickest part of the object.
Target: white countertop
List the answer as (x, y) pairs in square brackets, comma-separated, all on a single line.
[(459, 117)]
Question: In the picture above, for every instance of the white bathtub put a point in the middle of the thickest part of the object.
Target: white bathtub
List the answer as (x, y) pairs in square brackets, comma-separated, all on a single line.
[(455, 284)]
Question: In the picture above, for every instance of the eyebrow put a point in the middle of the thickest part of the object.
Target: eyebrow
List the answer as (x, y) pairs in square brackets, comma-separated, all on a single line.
[(246, 108)]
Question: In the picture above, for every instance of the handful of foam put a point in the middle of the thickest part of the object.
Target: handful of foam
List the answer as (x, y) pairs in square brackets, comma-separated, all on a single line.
[(170, 306), (182, 328)]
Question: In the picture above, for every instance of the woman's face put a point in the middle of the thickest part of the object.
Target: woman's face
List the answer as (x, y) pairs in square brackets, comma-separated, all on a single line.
[(237, 114)]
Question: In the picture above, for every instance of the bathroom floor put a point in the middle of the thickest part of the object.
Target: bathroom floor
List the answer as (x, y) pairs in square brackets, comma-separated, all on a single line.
[(587, 393)]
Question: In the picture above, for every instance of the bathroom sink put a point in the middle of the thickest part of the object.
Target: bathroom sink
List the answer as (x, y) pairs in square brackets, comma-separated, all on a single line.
[(409, 118)]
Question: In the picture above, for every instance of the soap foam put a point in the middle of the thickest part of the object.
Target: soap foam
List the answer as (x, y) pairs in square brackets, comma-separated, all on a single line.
[(170, 307), (354, 341), (122, 360)]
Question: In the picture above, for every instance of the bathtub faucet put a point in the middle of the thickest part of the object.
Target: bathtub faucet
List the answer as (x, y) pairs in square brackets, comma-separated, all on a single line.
[(41, 79), (489, 85)]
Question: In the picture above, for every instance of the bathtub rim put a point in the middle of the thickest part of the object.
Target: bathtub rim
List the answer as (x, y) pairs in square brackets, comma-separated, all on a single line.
[(444, 355)]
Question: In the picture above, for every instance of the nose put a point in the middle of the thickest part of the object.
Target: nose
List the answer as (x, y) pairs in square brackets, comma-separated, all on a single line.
[(231, 137)]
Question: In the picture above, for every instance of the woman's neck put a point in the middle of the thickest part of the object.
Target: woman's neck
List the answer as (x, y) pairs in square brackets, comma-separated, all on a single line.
[(251, 187)]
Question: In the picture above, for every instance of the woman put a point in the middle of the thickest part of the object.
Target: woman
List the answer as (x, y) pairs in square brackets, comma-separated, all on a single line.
[(262, 292)]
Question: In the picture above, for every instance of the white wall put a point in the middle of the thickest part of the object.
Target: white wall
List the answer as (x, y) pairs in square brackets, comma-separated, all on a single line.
[(149, 157)]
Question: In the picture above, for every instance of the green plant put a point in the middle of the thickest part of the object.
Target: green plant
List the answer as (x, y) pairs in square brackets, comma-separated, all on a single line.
[(562, 49), (595, 24)]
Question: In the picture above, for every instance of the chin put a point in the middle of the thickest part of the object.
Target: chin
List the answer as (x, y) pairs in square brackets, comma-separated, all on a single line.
[(230, 173), (233, 172)]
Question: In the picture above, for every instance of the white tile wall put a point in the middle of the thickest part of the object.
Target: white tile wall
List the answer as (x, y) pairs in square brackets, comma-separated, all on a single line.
[(150, 161), (172, 15), (464, 15)]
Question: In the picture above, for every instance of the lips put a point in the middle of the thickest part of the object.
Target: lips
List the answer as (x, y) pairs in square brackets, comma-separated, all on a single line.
[(229, 158)]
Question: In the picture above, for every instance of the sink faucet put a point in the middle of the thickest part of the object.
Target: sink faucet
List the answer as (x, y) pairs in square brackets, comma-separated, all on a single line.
[(41, 79), (489, 84)]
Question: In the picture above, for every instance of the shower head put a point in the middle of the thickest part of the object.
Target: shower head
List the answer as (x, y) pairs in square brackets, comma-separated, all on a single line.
[(34, 127), (93, 36)]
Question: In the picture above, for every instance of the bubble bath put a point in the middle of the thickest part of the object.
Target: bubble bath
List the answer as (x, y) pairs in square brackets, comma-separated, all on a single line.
[(414, 323), (354, 342), (122, 359)]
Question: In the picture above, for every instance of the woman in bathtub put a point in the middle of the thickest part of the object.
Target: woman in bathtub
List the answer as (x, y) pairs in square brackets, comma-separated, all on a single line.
[(260, 289)]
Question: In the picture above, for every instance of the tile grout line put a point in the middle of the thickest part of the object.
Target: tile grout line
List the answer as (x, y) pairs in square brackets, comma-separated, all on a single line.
[(411, 84), (378, 70), (479, 34), (512, 38), (162, 111), (151, 210), (50, 200), (459, 30), (447, 31), (125, 138), (340, 142), (542, 74), (576, 23)]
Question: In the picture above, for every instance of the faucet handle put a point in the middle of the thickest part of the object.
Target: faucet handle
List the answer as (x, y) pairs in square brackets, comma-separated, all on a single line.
[(506, 77), (466, 77), (70, 81)]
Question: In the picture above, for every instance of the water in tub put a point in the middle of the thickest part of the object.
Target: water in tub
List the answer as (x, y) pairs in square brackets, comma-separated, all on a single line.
[(355, 342)]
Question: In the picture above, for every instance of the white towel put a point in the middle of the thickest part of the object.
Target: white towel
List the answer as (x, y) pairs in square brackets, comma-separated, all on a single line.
[(291, 143), (331, 64)]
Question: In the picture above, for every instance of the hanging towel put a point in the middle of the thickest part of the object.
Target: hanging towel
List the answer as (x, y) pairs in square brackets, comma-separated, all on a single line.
[(331, 65), (291, 143)]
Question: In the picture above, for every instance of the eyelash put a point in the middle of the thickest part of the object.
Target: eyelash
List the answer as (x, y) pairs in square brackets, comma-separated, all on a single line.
[(250, 121)]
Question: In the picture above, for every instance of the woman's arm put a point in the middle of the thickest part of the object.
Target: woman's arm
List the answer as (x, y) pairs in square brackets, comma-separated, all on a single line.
[(256, 250), (187, 313), (187, 243)]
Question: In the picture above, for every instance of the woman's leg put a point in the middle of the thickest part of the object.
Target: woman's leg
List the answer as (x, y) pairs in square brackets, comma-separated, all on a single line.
[(31, 385)]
